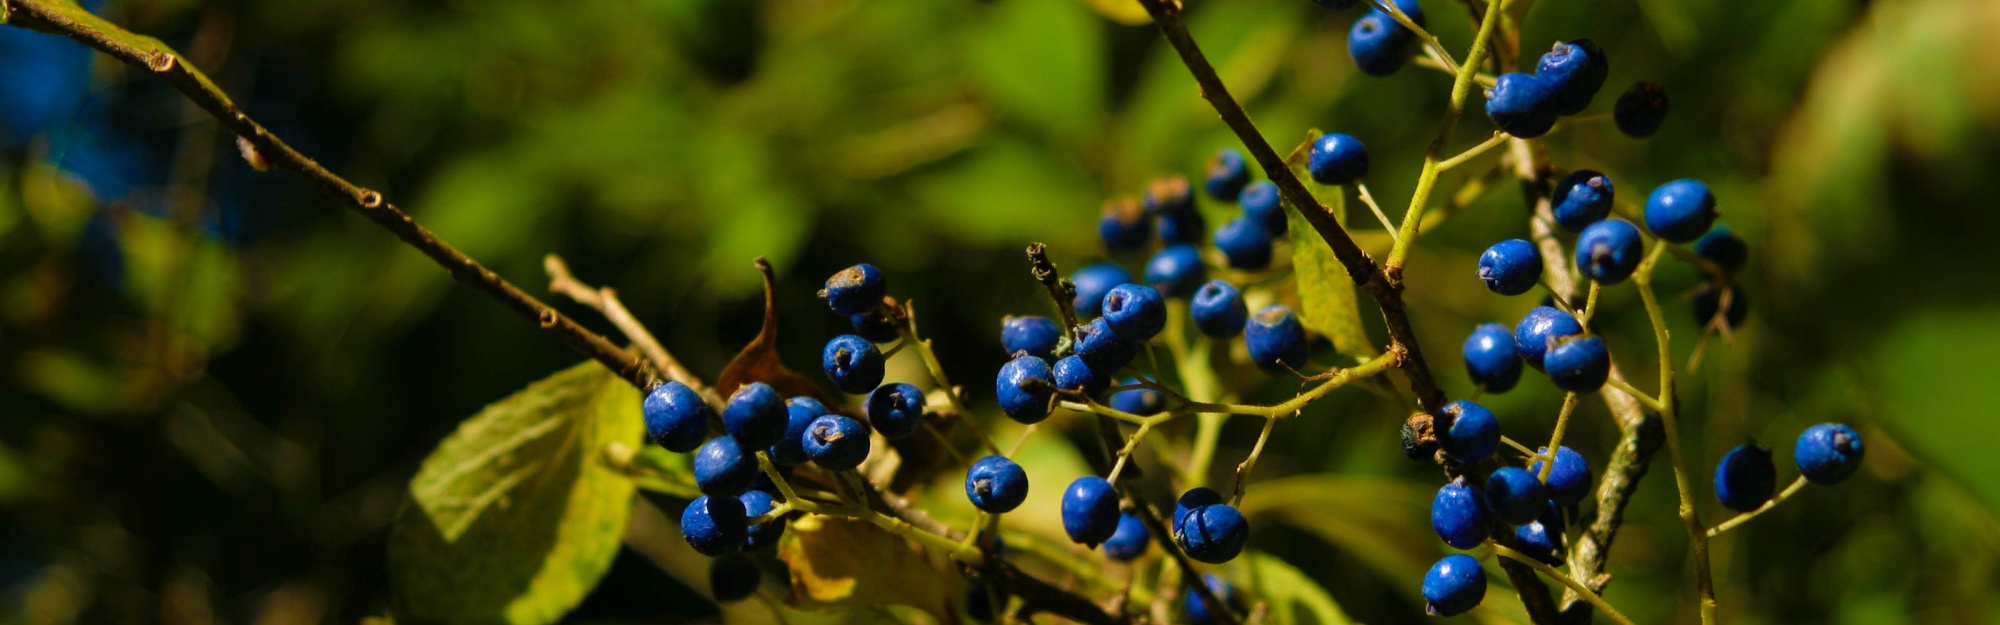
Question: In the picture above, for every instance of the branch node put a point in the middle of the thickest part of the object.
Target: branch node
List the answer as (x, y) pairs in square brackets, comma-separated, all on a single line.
[(161, 61)]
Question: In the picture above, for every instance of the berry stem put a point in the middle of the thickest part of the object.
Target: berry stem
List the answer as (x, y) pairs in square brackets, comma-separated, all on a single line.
[(1641, 396), (1250, 463), (1473, 152), (1795, 487), (1697, 536), (931, 364), (1556, 438), (605, 300), (1433, 48), (1550, 572), (1461, 88), (1369, 199), (1590, 306)]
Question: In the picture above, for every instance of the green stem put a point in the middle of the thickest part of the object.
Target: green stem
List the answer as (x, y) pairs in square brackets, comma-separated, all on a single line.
[(1740, 519), (1461, 88), (1556, 439), (1669, 409), (1551, 573)]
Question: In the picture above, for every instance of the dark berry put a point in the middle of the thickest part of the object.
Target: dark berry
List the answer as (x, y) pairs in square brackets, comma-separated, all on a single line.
[(1073, 373), (1641, 109), (1276, 340), (1182, 227), (1176, 270), (852, 363), (1218, 310), (1260, 202), (1090, 510), (1680, 211), (1036, 335), (1474, 432), (1130, 541), (1195, 498), (1337, 5), (676, 417), (1459, 515), (1709, 301), (1378, 44), (1722, 247), (1511, 267), (1135, 312), (763, 535), (1198, 610), (1569, 480), (996, 484), (1543, 539), (1576, 70), (1582, 198), (1124, 226), (1609, 250), (1827, 453), (1227, 173), (895, 410), (1102, 348), (1025, 388), (1092, 282), (1138, 401), (1578, 365), (714, 524), (1746, 477), (875, 325), (755, 415), (1515, 495), (836, 442), (855, 289), (1337, 159), (800, 411), (1538, 328), (721, 467), (1454, 585), (733, 577), (1245, 244), (1213, 533), (1169, 194), (1522, 105), (1492, 358), (980, 600)]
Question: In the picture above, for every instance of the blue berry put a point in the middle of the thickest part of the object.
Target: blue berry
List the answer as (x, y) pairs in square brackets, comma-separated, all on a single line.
[(1213, 533), (895, 410), (1516, 495), (1102, 348), (1182, 227), (1138, 401), (1378, 44), (1073, 373), (1511, 267), (1640, 109), (1576, 70), (1198, 611), (1135, 312), (1454, 585), (1543, 539), (1492, 358), (1036, 335), (1176, 270), (1092, 282), (996, 484), (764, 535), (676, 417), (1124, 226), (855, 289), (1582, 198), (1680, 211), (1722, 247), (1541, 325), (1522, 105), (1709, 301), (1827, 453), (1569, 480), (733, 577), (1276, 340), (875, 325), (1474, 432), (714, 524), (1609, 250), (1194, 499), (721, 467), (836, 442), (1337, 159), (755, 415), (1746, 477), (1090, 510), (1130, 541), (852, 363), (800, 411), (1579, 365), (1260, 202), (1459, 515), (1245, 244), (1169, 194), (1218, 310), (1227, 173), (1024, 389)]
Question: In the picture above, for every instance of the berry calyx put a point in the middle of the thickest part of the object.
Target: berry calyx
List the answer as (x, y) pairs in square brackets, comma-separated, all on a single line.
[(996, 484), (676, 417), (1640, 109), (721, 467), (1454, 585), (855, 289), (1213, 533), (1135, 312), (1227, 173), (1582, 198), (1579, 365), (1276, 340), (1025, 389), (1746, 477), (1538, 328), (1569, 479), (1492, 358), (1609, 250), (1522, 105), (1130, 541), (1090, 510), (1474, 432), (1828, 453), (1680, 211), (836, 442), (1459, 515), (1092, 282), (852, 363), (1337, 159), (1176, 270), (755, 415), (1218, 310), (895, 410), (714, 524), (1511, 267), (1515, 495)]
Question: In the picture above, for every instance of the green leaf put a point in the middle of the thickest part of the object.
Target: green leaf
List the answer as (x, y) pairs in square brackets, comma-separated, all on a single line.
[(516, 515), (1326, 293), (1383, 521), (1287, 591)]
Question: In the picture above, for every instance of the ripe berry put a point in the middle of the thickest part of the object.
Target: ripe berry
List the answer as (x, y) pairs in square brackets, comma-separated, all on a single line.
[(1024, 389), (800, 411), (1169, 194), (1124, 226), (1092, 282), (763, 535), (1569, 480), (1543, 539), (1511, 267), (1722, 247), (1073, 373), (1827, 453), (1579, 365), (1036, 335), (836, 442), (852, 363), (1182, 227), (1454, 585), (1135, 312), (1276, 340), (1176, 270), (721, 467), (1130, 541), (1522, 105), (755, 415), (1194, 499), (1680, 211), (1492, 359), (996, 484), (1213, 533), (855, 289), (895, 410), (1459, 515), (1378, 44), (1218, 310), (1474, 432), (1516, 495), (1337, 159), (676, 417), (1245, 244), (1582, 198), (1709, 301), (1609, 250), (1102, 348), (1541, 325), (1198, 610), (1260, 202), (1138, 401), (875, 325), (1090, 510), (1746, 477), (1641, 109), (714, 524), (1227, 173), (733, 577), (1576, 70)]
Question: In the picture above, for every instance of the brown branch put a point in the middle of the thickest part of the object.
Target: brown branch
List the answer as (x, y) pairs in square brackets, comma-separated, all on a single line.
[(605, 300)]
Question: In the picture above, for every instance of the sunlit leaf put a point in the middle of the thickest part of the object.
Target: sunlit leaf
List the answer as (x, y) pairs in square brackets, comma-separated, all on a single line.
[(1290, 593), (1326, 293), (841, 563)]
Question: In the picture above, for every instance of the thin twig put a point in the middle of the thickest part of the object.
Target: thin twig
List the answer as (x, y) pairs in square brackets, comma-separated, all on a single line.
[(1473, 152), (1544, 569), (605, 300), (1740, 519), (1369, 199)]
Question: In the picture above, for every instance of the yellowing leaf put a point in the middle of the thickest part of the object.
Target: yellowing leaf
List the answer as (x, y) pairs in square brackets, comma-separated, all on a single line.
[(1326, 293), (846, 563), (1127, 12)]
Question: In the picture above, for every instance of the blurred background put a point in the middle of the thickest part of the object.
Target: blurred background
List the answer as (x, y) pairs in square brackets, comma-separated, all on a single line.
[(217, 382)]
